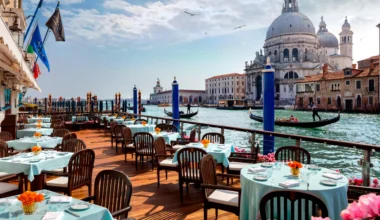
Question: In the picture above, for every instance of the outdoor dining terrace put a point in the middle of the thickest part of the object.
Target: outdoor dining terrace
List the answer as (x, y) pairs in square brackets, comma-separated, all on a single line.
[(218, 179)]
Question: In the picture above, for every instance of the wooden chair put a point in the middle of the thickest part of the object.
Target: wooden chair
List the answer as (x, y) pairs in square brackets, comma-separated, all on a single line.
[(128, 142), (113, 190), (167, 127), (6, 136), (290, 153), (143, 143), (216, 196), (79, 174), (188, 165), (289, 199), (61, 132), (73, 145), (139, 121), (164, 161), (180, 142), (113, 124), (65, 139), (241, 160), (213, 137), (118, 130)]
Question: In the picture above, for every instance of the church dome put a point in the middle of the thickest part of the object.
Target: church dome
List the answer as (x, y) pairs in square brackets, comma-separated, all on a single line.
[(325, 38), (290, 23)]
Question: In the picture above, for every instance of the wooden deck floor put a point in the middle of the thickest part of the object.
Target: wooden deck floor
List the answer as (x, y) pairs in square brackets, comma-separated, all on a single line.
[(148, 201)]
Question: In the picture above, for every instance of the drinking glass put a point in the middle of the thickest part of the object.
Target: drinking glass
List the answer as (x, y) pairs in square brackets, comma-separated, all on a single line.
[(269, 172), (305, 176)]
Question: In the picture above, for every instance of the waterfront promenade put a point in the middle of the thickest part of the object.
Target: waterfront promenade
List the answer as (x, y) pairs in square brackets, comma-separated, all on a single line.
[(148, 201)]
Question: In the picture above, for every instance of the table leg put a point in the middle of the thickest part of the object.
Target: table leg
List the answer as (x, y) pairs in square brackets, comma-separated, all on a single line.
[(37, 183)]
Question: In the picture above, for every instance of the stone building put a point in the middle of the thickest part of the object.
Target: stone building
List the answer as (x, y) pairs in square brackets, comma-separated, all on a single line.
[(227, 86), (15, 67), (349, 90), (159, 96), (297, 51)]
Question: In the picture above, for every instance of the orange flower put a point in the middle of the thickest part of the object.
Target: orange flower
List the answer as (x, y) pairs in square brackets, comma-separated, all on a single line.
[(39, 121), (157, 130), (37, 134), (143, 123), (36, 149), (295, 165), (29, 198), (133, 119), (205, 141)]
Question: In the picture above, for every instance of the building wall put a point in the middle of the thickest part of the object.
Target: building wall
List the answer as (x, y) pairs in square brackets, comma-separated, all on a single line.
[(338, 88), (195, 97), (225, 87)]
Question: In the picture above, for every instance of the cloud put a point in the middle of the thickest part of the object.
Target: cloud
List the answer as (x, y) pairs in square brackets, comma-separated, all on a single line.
[(66, 2)]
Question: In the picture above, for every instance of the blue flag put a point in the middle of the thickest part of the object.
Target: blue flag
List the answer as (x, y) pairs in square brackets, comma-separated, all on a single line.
[(38, 47)]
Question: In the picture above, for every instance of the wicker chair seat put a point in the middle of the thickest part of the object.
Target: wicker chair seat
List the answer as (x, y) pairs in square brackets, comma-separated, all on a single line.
[(7, 187), (238, 165), (178, 146), (168, 163), (58, 182), (130, 146), (225, 197)]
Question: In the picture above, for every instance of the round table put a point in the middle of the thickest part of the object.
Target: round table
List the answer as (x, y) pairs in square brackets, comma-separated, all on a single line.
[(334, 197)]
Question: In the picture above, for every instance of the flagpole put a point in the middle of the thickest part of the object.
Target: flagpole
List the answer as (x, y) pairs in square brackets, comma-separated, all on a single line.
[(34, 16), (47, 32)]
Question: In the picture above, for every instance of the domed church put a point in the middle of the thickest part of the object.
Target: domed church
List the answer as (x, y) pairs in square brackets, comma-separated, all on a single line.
[(296, 50)]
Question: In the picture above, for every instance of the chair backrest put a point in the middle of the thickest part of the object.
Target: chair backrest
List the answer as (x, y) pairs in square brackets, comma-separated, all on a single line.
[(193, 133), (113, 125), (6, 136), (213, 137), (143, 142), (208, 172), (119, 130), (67, 137), (139, 121), (160, 147), (167, 127), (73, 145), (61, 132), (113, 190), (291, 199), (127, 135), (3, 149), (80, 167), (291, 153), (188, 162)]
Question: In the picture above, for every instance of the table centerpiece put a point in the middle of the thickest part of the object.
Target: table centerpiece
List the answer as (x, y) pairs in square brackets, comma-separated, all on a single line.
[(205, 143), (36, 150), (157, 130), (295, 167), (29, 201), (143, 123)]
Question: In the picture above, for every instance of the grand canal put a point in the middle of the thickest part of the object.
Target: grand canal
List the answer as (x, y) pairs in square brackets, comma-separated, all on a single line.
[(351, 127)]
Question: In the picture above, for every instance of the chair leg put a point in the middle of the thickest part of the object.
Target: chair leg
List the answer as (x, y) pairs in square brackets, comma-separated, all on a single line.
[(187, 187), (216, 213), (158, 177), (166, 173), (89, 189), (181, 190), (136, 162), (204, 212), (228, 181)]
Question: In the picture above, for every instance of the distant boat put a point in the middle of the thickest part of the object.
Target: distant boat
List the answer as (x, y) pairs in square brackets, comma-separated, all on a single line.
[(312, 124), (131, 108), (164, 105), (289, 107), (231, 104), (181, 114)]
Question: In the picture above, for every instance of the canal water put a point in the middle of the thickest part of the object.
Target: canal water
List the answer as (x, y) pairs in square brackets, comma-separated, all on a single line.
[(359, 128)]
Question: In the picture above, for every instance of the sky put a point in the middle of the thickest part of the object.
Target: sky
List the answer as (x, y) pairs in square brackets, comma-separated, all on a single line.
[(112, 45)]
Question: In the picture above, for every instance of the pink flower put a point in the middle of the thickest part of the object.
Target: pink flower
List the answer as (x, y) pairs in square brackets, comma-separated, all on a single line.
[(338, 171), (354, 211), (375, 181), (370, 203), (319, 218)]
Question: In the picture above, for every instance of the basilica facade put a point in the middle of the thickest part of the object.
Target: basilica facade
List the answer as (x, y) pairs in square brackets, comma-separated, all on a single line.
[(297, 50)]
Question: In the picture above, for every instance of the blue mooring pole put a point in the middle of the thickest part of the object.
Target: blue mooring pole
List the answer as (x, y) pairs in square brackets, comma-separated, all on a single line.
[(135, 101), (268, 110), (175, 103)]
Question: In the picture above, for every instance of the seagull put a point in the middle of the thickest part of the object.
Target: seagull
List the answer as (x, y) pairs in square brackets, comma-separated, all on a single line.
[(240, 27), (191, 14)]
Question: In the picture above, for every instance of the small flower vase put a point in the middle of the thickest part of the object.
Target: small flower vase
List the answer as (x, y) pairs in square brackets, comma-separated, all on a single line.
[(144, 124), (205, 145), (295, 171), (29, 209), (36, 152), (157, 132)]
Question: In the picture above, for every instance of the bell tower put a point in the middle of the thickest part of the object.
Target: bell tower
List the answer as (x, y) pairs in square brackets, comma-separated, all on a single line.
[(346, 40), (158, 88), (290, 6)]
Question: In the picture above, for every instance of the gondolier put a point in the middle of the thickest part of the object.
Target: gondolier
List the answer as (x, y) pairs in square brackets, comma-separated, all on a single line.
[(315, 111), (188, 108)]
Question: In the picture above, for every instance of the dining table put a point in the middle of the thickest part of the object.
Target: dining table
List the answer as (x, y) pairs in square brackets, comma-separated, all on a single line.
[(141, 128), (34, 125), (29, 132), (316, 181), (54, 206), (34, 119), (168, 136), (220, 152), (26, 143), (79, 118), (32, 165)]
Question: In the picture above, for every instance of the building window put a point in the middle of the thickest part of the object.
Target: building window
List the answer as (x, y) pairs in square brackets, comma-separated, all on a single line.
[(348, 82), (295, 54), (370, 100), (291, 75), (359, 102), (318, 87), (318, 101), (286, 55), (284, 88), (358, 84), (237, 83), (329, 101), (347, 72), (275, 52), (371, 84), (238, 90)]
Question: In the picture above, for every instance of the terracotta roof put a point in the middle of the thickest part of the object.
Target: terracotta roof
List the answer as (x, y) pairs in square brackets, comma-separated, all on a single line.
[(226, 75), (356, 73), (371, 58)]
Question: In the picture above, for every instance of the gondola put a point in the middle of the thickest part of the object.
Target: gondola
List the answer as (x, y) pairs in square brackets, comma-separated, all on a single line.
[(131, 108), (312, 124), (182, 114)]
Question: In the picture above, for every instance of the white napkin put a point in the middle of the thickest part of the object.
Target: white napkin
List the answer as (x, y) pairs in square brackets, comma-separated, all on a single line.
[(53, 216), (222, 146), (290, 183), (256, 170), (63, 199), (11, 201), (333, 176)]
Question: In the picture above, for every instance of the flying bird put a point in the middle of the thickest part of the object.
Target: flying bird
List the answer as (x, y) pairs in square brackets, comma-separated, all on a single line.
[(206, 33), (240, 27), (191, 14)]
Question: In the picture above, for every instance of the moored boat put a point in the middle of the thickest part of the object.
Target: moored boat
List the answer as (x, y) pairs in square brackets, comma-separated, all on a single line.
[(164, 105), (312, 124)]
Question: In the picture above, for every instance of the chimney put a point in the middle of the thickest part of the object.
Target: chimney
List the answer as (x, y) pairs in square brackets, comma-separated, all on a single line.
[(353, 66), (325, 69), (372, 65)]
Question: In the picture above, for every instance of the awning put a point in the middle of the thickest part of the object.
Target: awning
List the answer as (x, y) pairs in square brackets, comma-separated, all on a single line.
[(14, 62)]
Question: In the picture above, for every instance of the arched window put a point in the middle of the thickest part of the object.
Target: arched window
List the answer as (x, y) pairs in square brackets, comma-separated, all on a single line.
[(270, 53), (359, 102), (275, 52), (291, 75), (332, 87), (295, 54), (286, 55)]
